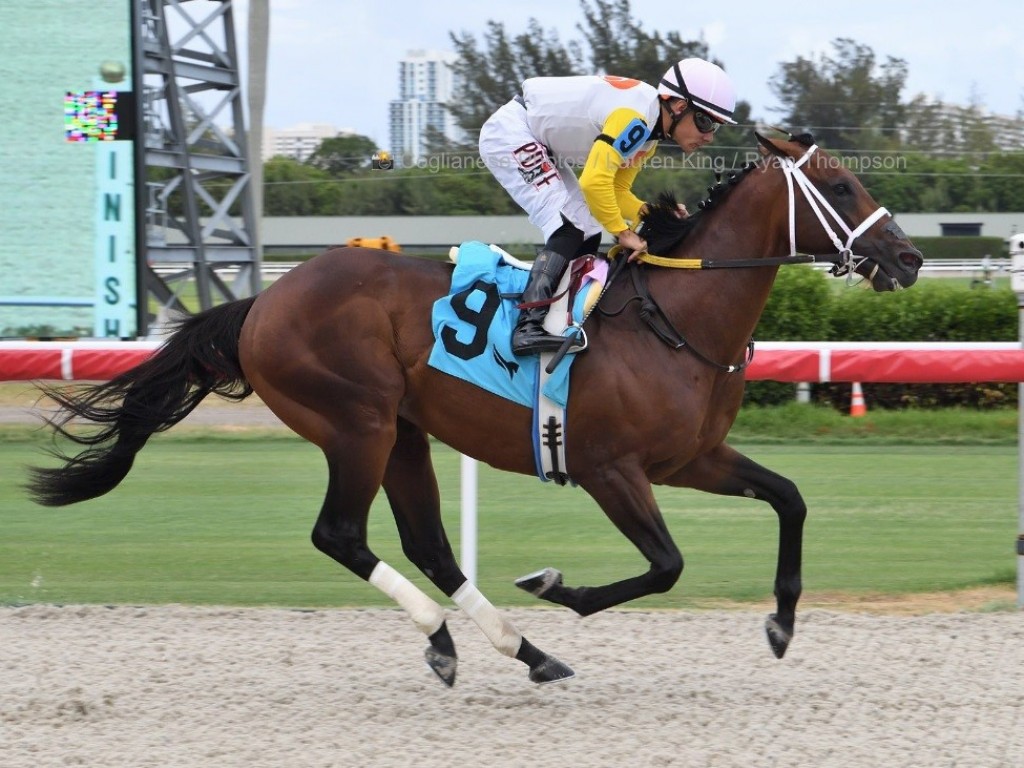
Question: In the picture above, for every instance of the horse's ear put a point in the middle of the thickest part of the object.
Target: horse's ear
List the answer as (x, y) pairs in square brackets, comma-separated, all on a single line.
[(767, 146)]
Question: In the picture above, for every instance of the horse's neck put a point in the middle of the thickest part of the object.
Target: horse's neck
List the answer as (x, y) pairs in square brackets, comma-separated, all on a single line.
[(748, 223)]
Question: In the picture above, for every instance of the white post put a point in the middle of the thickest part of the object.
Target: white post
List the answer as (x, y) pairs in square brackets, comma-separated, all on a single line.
[(1020, 466), (468, 518), (1016, 243)]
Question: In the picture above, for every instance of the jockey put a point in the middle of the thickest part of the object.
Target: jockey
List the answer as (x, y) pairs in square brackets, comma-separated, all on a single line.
[(608, 126)]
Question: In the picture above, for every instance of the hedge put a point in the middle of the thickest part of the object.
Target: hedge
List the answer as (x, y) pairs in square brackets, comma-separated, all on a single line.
[(803, 307)]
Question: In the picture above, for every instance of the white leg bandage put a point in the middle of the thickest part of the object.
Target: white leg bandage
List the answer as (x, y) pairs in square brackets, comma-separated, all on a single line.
[(502, 634), (425, 613)]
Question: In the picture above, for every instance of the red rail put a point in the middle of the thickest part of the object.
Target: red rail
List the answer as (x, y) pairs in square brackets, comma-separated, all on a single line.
[(938, 363)]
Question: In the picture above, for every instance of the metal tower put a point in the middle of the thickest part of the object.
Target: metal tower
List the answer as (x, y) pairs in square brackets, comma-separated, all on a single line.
[(200, 220)]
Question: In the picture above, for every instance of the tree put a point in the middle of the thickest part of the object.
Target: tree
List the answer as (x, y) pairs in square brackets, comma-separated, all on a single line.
[(1002, 189), (928, 125), (344, 153), (490, 75), (847, 100), (290, 188), (620, 46)]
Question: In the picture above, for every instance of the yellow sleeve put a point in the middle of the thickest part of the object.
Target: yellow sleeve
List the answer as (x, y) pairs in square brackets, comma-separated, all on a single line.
[(629, 204), (607, 177)]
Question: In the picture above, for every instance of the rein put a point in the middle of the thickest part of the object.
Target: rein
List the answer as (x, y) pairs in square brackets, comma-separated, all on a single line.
[(769, 261)]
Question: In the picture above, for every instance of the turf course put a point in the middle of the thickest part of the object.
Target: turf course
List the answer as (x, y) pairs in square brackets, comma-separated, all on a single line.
[(226, 520)]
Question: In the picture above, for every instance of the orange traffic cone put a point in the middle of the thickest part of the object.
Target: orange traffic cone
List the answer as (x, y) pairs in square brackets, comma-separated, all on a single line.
[(857, 405)]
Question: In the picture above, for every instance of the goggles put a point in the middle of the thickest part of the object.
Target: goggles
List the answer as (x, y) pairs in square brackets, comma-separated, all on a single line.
[(704, 122)]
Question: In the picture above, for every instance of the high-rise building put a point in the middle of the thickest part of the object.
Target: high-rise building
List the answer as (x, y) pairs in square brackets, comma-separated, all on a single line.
[(299, 141), (425, 84)]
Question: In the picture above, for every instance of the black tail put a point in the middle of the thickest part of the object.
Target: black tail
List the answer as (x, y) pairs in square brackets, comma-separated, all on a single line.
[(199, 358)]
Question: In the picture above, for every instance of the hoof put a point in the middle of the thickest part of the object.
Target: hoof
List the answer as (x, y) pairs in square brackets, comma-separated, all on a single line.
[(539, 582), (442, 665), (551, 670), (778, 638)]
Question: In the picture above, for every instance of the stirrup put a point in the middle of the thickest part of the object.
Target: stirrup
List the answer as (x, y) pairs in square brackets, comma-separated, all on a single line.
[(536, 344)]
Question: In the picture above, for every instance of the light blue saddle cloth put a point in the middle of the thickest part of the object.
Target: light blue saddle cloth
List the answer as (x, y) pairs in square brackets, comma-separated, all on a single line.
[(473, 330)]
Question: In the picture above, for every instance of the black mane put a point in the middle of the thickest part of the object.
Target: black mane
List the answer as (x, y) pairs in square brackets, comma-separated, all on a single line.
[(664, 230)]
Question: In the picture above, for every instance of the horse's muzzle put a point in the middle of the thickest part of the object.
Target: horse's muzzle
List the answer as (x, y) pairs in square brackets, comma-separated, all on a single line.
[(893, 273)]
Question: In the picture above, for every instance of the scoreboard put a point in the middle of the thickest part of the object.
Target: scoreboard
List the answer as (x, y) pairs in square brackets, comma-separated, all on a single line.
[(99, 116)]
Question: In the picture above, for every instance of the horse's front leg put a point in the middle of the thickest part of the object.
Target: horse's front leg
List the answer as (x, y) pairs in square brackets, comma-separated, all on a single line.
[(727, 472), (411, 487), (625, 497)]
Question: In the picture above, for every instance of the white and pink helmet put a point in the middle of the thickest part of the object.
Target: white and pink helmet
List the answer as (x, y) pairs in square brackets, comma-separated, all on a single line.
[(704, 85)]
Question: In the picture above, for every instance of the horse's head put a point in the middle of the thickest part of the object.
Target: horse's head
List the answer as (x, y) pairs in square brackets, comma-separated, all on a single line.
[(831, 212)]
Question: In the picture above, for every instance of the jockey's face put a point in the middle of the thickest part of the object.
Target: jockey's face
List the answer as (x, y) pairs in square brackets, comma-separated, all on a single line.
[(694, 130)]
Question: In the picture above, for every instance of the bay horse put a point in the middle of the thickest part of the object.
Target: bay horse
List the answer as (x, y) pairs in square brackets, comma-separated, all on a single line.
[(338, 348)]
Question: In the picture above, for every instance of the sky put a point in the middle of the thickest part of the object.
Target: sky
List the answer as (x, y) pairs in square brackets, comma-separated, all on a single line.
[(336, 61)]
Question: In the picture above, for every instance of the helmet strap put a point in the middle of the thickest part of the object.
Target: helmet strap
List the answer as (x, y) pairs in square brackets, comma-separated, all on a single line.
[(675, 118)]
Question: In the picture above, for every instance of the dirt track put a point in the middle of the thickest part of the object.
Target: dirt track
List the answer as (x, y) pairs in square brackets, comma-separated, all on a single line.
[(176, 686)]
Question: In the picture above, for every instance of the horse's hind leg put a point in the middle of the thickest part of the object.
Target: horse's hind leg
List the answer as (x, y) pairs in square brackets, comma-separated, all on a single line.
[(411, 487), (626, 498), (355, 474), (727, 472)]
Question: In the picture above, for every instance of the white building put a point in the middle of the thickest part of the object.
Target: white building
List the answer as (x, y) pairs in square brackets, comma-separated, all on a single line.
[(958, 124), (298, 142), (425, 84), (1007, 132)]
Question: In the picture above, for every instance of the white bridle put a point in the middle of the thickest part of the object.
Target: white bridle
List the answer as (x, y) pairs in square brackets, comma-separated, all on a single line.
[(848, 261)]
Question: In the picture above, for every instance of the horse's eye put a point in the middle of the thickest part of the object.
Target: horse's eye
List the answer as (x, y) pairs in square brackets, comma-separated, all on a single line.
[(842, 188)]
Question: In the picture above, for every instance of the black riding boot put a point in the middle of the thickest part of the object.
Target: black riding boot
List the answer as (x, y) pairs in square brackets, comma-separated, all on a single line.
[(529, 337)]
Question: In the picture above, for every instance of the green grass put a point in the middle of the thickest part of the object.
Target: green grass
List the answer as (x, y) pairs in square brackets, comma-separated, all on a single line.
[(206, 518), (801, 424)]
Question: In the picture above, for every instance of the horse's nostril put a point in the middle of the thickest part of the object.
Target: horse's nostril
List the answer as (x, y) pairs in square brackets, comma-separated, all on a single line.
[(911, 260)]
